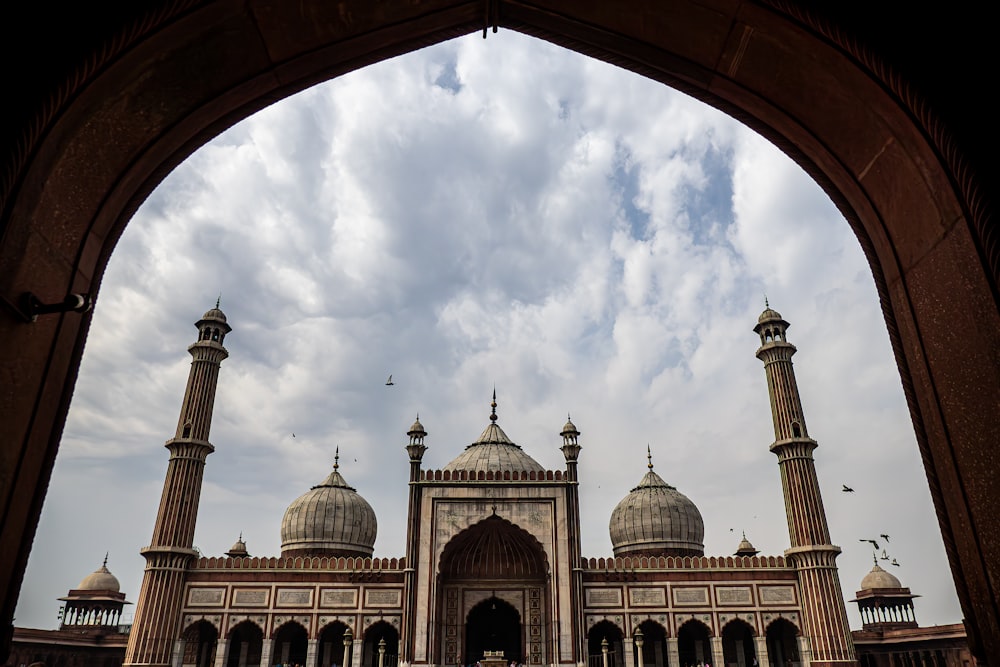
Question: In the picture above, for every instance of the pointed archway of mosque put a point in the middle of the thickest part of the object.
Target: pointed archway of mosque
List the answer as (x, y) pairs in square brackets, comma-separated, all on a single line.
[(116, 108), (493, 579), (493, 625)]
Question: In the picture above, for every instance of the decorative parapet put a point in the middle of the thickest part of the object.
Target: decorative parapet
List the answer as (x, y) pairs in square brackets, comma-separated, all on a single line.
[(492, 476), (683, 563), (346, 564)]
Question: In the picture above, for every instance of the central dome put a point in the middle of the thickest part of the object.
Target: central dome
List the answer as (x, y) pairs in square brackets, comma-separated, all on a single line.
[(656, 519), (493, 451), (330, 519)]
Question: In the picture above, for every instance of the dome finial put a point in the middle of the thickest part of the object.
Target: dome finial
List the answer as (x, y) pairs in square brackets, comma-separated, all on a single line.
[(493, 406), (336, 459), (105, 564), (218, 300), (649, 457), (766, 304)]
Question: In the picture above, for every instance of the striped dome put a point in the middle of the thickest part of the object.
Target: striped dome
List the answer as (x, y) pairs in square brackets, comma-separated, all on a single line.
[(493, 451), (330, 519), (657, 519)]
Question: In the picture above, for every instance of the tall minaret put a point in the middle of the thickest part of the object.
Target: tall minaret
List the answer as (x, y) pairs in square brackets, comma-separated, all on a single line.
[(157, 613), (571, 451), (416, 450), (812, 554)]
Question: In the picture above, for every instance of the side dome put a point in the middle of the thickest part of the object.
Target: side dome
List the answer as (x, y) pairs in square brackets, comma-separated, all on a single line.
[(330, 519), (879, 578), (493, 451), (656, 519), (100, 580)]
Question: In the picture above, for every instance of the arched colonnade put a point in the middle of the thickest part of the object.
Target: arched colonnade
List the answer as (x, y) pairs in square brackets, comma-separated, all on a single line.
[(290, 643), (694, 644)]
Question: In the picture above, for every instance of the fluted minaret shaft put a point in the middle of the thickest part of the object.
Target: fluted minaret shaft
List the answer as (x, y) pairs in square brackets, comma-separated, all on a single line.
[(157, 614), (571, 451), (811, 552), (416, 449)]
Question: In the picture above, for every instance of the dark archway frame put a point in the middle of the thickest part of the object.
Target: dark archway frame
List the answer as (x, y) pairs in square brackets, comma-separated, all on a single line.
[(150, 88)]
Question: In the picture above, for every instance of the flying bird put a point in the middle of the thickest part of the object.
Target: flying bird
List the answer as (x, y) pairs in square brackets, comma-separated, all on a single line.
[(293, 435), (894, 562), (885, 556), (884, 537), (873, 542), (389, 382), (847, 489)]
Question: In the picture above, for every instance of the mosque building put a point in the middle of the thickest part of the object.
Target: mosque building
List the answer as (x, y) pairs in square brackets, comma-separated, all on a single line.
[(493, 570)]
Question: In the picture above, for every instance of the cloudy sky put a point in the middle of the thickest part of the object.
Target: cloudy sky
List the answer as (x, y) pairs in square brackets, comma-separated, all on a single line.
[(487, 213)]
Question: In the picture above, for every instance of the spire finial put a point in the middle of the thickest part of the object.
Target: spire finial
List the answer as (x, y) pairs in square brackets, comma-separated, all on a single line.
[(766, 304), (336, 459), (241, 536), (105, 564), (218, 300), (649, 457), (493, 406)]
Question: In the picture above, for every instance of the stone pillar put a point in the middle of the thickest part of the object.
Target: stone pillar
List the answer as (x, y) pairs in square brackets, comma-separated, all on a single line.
[(673, 653), (763, 659), (805, 651), (178, 657), (630, 652), (311, 653), (265, 652), (717, 659), (222, 653), (356, 647)]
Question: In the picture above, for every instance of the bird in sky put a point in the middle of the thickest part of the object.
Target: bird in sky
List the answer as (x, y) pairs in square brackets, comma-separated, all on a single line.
[(847, 489), (885, 556), (873, 542), (389, 382), (884, 537), (293, 435), (895, 562)]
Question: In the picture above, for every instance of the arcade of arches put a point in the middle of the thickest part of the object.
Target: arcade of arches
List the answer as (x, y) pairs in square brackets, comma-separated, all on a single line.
[(880, 115)]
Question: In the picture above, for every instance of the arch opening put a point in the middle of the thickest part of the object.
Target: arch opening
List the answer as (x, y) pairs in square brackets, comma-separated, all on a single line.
[(200, 642), (694, 643), (933, 428), (493, 625), (245, 645)]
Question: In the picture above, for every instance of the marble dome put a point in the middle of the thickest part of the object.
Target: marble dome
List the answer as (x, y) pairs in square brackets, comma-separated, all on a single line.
[(494, 451), (656, 519), (331, 519)]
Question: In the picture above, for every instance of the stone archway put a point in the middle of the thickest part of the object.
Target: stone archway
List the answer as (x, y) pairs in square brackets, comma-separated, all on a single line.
[(493, 569), (87, 147), (782, 643), (694, 645), (290, 644), (200, 641), (245, 646), (493, 625)]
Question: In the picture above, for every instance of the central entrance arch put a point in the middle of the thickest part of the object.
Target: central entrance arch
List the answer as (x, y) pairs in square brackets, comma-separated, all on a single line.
[(494, 583), (493, 625)]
